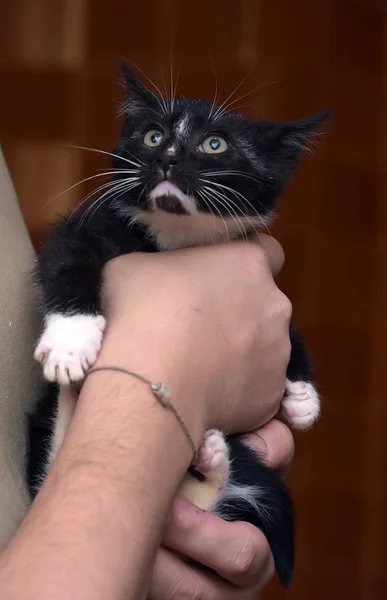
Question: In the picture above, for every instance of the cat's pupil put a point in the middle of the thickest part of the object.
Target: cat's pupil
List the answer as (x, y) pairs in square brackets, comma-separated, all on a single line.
[(156, 138), (214, 143)]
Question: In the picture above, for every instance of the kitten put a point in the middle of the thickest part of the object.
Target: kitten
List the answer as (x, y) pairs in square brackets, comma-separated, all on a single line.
[(186, 173)]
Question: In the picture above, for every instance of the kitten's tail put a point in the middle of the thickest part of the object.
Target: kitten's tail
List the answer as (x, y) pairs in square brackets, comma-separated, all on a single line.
[(259, 496)]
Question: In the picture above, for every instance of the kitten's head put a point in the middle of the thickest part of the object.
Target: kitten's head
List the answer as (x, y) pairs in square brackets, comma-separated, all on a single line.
[(190, 156)]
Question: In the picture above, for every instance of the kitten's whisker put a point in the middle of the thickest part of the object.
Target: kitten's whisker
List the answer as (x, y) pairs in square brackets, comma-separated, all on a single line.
[(256, 89), (256, 213), (110, 188), (245, 201), (201, 195), (123, 186), (216, 90), (118, 171), (161, 101), (165, 88), (142, 191), (222, 199), (250, 105), (114, 196), (227, 204), (176, 84), (213, 204), (221, 108), (104, 174), (241, 173), (238, 193), (97, 201), (233, 191), (245, 215), (136, 158), (172, 99), (148, 108), (109, 184), (131, 162)]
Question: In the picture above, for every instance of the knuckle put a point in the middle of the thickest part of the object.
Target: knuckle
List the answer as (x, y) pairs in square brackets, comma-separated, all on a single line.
[(253, 256), (268, 572), (242, 560), (186, 590), (285, 306), (280, 444)]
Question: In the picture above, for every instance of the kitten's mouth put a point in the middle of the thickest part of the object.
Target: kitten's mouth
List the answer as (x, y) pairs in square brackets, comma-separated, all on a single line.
[(168, 197), (165, 188), (170, 204)]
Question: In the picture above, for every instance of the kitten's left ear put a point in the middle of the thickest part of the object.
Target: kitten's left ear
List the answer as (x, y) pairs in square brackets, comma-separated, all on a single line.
[(138, 95), (297, 134), (282, 144)]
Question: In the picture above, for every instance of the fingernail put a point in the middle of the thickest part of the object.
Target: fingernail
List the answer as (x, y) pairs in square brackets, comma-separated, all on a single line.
[(256, 443)]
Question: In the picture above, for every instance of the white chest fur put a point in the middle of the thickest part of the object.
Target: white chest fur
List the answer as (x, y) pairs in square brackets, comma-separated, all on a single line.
[(195, 228), (182, 231)]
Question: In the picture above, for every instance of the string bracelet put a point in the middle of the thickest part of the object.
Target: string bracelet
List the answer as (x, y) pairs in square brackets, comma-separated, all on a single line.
[(161, 391)]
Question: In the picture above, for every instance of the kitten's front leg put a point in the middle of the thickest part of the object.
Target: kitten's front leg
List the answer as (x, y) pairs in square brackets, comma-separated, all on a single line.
[(69, 271), (69, 345)]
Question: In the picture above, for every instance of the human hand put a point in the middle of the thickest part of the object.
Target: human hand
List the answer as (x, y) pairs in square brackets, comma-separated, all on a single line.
[(237, 553), (208, 321)]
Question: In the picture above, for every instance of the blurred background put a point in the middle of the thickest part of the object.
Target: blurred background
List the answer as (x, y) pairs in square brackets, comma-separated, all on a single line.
[(59, 62)]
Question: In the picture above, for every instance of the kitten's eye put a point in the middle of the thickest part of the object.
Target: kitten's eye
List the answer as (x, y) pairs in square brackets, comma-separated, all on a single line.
[(153, 138), (214, 144)]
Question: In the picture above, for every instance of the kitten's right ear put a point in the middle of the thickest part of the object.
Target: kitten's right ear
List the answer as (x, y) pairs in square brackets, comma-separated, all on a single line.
[(138, 95)]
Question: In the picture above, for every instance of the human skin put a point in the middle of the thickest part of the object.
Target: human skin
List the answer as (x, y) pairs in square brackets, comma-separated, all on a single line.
[(237, 552), (212, 324)]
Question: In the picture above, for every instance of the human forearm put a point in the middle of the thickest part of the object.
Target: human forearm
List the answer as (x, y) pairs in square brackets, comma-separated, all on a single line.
[(219, 338), (106, 498)]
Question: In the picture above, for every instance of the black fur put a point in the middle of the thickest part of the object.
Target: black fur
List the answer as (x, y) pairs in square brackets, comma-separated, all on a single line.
[(276, 519), (259, 161), (40, 425)]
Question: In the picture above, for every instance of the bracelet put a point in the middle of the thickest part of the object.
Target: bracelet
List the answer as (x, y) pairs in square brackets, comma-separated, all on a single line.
[(161, 391)]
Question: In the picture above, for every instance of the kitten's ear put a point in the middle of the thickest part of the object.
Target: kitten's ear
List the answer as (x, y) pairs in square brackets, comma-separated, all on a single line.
[(298, 134), (284, 143), (138, 95)]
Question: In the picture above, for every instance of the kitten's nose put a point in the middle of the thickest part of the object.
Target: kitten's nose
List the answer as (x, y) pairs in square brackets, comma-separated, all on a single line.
[(166, 162)]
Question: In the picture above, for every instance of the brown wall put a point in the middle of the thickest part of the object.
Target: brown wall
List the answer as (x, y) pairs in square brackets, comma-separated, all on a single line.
[(58, 71)]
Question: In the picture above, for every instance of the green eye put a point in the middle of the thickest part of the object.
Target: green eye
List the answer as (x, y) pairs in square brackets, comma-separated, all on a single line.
[(153, 138), (214, 144)]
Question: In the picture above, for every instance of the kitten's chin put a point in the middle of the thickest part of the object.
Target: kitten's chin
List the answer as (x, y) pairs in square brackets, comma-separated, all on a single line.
[(170, 204), (165, 188), (169, 197)]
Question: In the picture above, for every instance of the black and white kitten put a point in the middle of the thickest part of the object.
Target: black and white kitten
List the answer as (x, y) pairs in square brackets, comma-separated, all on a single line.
[(185, 173)]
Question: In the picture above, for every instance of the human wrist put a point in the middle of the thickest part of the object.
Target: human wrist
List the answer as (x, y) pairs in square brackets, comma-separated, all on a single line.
[(162, 354)]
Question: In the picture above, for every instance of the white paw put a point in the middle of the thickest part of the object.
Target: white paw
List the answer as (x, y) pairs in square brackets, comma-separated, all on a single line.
[(301, 404), (69, 346), (212, 453)]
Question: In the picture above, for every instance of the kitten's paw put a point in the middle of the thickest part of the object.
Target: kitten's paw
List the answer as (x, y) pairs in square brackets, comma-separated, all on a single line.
[(212, 459), (69, 346), (301, 404)]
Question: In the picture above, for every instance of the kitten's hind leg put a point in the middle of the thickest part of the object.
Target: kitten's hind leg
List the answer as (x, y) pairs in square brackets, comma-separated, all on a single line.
[(47, 428), (67, 399), (301, 404), (204, 484)]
